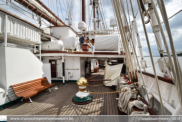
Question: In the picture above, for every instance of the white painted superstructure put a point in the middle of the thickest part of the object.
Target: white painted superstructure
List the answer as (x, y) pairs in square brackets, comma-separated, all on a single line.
[(52, 46), (17, 66), (62, 32), (74, 67), (71, 43), (168, 93), (18, 32)]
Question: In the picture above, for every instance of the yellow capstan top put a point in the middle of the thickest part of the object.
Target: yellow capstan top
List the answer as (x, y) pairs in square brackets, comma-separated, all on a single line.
[(81, 81)]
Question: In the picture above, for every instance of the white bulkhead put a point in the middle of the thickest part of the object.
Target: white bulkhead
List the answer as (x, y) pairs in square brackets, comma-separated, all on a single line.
[(71, 43), (52, 46), (74, 67), (47, 30), (62, 32), (19, 31)]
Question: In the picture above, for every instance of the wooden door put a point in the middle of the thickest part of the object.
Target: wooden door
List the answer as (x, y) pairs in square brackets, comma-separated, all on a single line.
[(53, 68)]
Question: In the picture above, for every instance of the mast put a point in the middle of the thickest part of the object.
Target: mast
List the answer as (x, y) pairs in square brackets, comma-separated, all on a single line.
[(94, 13), (95, 7), (97, 15), (83, 11)]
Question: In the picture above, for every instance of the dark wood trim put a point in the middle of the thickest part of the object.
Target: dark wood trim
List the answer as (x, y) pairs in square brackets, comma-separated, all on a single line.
[(88, 79), (162, 78), (37, 11), (99, 80), (17, 17), (106, 53), (103, 53), (150, 110), (77, 52), (53, 68), (65, 52), (82, 52), (44, 6)]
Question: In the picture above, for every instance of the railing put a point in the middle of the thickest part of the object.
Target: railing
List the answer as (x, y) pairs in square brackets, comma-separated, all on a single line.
[(15, 30), (162, 78), (17, 46)]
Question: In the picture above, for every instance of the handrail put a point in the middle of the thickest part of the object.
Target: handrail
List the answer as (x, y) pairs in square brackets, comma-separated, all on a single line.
[(162, 78)]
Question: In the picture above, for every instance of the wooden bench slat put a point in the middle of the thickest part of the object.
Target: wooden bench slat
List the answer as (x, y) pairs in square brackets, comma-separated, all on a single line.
[(31, 88)]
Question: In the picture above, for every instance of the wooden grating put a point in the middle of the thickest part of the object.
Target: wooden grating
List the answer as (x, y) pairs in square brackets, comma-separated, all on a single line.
[(59, 102)]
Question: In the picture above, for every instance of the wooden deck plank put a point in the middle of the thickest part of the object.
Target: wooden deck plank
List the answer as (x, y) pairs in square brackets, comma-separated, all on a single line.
[(66, 103), (59, 102), (87, 108)]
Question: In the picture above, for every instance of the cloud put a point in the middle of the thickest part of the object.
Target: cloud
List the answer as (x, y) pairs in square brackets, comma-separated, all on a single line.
[(60, 9), (172, 6)]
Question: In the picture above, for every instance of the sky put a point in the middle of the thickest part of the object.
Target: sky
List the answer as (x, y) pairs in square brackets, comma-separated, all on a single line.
[(59, 7)]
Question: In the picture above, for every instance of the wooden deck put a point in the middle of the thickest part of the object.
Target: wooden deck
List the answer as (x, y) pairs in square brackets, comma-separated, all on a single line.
[(59, 102)]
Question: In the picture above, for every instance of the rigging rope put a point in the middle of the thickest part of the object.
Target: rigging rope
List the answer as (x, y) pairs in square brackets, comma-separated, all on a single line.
[(102, 13), (111, 92), (176, 61), (124, 98), (138, 103), (116, 6), (148, 43), (121, 28), (62, 10), (135, 53), (56, 8), (104, 83), (22, 11)]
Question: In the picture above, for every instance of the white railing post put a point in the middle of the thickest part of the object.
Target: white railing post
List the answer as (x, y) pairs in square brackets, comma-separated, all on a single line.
[(138, 38), (119, 46), (175, 58), (40, 51), (5, 29), (93, 49)]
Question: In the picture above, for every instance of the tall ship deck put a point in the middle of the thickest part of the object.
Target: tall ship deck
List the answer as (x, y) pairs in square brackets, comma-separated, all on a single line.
[(88, 57)]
